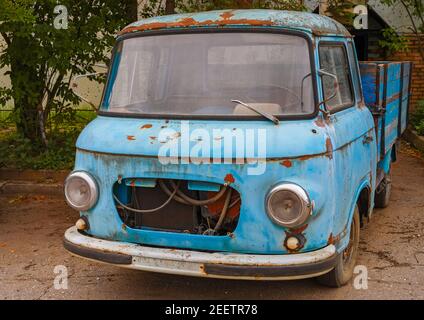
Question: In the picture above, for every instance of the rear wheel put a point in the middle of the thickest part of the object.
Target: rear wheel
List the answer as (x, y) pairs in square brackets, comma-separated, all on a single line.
[(346, 261), (383, 191)]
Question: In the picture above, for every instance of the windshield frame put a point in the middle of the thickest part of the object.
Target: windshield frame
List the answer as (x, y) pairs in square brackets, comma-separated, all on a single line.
[(275, 30)]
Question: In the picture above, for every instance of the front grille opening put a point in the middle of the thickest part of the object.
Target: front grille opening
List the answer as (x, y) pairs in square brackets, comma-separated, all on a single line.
[(177, 206)]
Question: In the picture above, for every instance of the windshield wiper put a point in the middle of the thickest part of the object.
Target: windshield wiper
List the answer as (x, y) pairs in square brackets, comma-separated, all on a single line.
[(264, 114)]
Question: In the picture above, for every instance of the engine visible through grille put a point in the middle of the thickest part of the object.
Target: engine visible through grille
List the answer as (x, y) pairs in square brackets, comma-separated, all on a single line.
[(177, 205)]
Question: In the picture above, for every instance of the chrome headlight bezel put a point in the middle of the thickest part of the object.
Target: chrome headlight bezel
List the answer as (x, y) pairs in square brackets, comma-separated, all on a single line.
[(301, 195), (92, 187)]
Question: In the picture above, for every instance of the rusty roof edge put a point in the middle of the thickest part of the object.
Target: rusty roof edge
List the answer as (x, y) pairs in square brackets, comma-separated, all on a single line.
[(303, 21)]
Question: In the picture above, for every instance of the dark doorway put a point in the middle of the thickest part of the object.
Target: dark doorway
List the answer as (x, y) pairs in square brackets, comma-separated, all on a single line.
[(367, 40)]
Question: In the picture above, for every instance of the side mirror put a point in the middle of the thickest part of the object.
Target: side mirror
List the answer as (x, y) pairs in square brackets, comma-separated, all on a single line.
[(74, 84), (323, 73)]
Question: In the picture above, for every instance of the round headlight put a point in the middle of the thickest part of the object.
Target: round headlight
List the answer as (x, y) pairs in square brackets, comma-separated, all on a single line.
[(288, 205), (81, 190)]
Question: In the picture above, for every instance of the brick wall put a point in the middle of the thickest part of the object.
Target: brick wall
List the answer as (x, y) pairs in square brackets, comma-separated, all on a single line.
[(413, 55)]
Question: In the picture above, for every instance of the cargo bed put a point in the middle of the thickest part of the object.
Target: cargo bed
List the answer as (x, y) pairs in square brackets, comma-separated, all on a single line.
[(386, 88)]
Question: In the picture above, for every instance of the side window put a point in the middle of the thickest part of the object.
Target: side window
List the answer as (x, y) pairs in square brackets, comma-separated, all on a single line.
[(355, 71), (333, 59)]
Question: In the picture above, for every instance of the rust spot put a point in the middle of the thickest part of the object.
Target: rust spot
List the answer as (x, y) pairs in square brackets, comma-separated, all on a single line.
[(146, 126), (153, 137), (132, 183), (130, 138), (187, 21), (286, 163), (330, 239), (227, 15), (306, 157), (334, 239), (202, 269), (229, 178), (320, 122), (329, 148)]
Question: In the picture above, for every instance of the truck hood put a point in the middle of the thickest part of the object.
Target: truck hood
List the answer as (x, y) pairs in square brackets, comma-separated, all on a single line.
[(204, 138)]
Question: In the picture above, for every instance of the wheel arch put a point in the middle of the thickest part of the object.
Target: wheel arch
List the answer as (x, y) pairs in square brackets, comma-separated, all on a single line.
[(362, 198)]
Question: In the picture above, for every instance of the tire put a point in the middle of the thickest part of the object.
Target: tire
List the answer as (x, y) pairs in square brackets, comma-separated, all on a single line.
[(346, 261), (383, 191)]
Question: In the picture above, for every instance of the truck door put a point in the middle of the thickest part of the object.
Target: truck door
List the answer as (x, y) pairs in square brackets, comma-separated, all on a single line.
[(369, 141), (350, 126)]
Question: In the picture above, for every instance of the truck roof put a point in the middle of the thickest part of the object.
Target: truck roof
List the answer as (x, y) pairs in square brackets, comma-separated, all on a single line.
[(294, 20)]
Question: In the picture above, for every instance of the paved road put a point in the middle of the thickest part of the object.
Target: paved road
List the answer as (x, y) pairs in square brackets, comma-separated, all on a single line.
[(31, 229)]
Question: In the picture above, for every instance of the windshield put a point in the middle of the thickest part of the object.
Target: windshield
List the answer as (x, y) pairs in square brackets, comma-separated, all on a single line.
[(200, 73)]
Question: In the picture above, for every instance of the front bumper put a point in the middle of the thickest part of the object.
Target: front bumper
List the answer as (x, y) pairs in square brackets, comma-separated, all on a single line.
[(202, 264)]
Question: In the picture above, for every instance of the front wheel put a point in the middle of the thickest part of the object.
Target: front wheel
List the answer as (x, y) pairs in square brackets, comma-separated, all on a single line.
[(346, 261)]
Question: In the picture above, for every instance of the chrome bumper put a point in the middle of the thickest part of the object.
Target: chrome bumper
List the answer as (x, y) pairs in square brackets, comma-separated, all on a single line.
[(202, 264)]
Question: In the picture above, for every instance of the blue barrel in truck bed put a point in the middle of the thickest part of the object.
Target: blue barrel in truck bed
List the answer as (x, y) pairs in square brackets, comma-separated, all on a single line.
[(386, 88)]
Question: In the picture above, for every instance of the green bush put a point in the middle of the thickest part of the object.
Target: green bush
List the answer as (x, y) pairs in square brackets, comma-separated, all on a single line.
[(420, 128), (417, 118), (19, 152)]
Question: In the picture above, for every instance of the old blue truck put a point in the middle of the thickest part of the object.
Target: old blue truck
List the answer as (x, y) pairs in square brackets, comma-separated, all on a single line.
[(239, 144)]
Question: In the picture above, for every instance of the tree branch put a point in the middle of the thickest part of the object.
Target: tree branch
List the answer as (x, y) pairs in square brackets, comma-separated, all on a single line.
[(52, 94), (68, 85)]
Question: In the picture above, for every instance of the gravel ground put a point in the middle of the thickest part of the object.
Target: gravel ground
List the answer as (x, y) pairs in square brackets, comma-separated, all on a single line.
[(31, 230)]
